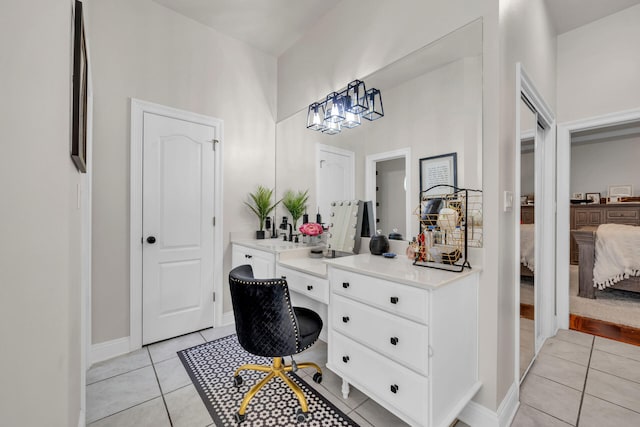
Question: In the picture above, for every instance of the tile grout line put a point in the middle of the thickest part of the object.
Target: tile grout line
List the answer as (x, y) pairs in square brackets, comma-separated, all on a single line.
[(122, 373), (586, 377), (164, 401)]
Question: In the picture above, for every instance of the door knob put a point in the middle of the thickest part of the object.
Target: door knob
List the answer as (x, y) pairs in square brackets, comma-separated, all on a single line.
[(151, 240)]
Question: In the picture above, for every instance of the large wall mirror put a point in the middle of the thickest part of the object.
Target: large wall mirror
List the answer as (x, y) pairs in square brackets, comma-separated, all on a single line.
[(432, 104)]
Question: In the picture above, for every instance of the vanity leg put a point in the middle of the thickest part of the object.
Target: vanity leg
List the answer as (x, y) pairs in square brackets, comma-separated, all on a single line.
[(345, 389)]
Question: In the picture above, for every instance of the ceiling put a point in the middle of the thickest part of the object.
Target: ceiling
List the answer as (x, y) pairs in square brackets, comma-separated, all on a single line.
[(570, 14), (275, 25), (269, 25)]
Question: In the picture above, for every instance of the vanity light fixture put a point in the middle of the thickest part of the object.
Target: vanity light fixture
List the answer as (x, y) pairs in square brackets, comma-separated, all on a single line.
[(345, 109)]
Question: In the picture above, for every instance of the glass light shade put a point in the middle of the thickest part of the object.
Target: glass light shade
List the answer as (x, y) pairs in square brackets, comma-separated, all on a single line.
[(315, 117), (332, 128), (351, 119), (358, 102), (375, 110), (334, 110)]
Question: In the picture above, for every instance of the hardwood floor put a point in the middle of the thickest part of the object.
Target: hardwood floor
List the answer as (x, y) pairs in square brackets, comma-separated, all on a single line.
[(613, 331), (527, 311)]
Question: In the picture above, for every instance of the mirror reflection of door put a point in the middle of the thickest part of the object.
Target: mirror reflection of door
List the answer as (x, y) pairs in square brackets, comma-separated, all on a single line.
[(391, 196), (528, 127)]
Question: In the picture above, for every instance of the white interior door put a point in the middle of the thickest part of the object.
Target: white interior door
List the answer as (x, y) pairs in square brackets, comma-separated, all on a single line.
[(178, 238), (335, 172)]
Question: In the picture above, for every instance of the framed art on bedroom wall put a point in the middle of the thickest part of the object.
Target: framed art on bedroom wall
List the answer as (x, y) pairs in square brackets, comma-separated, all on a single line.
[(79, 125), (594, 197)]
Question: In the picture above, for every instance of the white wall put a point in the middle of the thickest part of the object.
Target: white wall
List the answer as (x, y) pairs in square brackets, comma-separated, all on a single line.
[(39, 250), (596, 166), (598, 67), (313, 67), (527, 174), (146, 51), (527, 36)]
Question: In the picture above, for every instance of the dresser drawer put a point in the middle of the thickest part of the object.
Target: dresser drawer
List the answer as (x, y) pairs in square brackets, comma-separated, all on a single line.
[(306, 284), (386, 381), (400, 339), (625, 216), (403, 300)]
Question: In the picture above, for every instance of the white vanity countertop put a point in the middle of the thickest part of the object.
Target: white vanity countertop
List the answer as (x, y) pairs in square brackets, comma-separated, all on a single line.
[(273, 246), (399, 269), (314, 266)]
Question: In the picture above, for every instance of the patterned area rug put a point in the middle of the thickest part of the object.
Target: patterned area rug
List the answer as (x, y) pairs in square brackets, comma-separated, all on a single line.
[(211, 367)]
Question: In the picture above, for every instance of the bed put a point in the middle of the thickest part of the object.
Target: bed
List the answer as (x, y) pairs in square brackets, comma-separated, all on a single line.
[(609, 256), (527, 259)]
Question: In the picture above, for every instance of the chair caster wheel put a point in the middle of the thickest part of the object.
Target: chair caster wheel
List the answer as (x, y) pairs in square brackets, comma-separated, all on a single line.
[(239, 418), (317, 377), (237, 380), (301, 416)]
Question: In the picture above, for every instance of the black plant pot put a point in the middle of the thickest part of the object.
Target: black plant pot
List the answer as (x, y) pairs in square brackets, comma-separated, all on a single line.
[(260, 234)]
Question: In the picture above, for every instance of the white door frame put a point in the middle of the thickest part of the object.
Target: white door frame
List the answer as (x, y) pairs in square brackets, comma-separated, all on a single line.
[(564, 177), (370, 180), (138, 108), (545, 324)]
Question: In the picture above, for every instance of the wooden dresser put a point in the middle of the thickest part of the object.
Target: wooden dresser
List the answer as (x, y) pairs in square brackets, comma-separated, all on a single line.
[(594, 215)]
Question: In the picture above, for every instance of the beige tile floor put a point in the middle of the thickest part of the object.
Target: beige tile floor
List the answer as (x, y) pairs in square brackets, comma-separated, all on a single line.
[(581, 380), (577, 380)]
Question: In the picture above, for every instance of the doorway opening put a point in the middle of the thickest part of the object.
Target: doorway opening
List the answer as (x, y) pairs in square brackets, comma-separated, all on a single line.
[(579, 143), (388, 186)]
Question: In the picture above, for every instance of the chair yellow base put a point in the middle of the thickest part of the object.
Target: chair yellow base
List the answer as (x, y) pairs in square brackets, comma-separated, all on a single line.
[(278, 369)]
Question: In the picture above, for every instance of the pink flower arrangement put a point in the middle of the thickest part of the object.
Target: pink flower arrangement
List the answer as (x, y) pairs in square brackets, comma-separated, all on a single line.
[(311, 229)]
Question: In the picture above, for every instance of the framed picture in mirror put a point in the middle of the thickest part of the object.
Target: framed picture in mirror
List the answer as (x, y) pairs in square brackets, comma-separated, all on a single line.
[(438, 170)]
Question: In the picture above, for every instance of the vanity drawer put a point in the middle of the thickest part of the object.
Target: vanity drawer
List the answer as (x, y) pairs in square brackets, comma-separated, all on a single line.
[(396, 298), (386, 381), (306, 284), (401, 340)]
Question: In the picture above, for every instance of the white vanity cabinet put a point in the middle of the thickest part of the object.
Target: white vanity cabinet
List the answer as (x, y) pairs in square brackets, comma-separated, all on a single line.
[(262, 262), (309, 291), (406, 336)]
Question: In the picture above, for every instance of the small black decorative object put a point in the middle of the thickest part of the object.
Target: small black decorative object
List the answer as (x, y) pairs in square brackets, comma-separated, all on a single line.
[(379, 244)]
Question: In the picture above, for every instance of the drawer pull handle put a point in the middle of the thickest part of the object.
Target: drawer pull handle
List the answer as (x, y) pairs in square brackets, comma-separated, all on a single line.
[(309, 287), (394, 300), (345, 359), (283, 277), (394, 340), (394, 388), (345, 319), (345, 285), (248, 256)]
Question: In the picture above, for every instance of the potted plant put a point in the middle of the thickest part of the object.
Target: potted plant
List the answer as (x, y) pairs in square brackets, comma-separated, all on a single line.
[(261, 206), (296, 204)]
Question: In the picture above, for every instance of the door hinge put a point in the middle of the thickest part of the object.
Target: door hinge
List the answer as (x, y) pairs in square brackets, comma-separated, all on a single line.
[(214, 221), (214, 297)]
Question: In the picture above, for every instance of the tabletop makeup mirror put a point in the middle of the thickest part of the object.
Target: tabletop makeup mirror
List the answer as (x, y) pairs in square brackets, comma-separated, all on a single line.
[(432, 105)]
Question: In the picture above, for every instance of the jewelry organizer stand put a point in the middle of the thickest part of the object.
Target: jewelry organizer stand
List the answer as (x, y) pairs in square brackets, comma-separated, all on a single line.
[(450, 223)]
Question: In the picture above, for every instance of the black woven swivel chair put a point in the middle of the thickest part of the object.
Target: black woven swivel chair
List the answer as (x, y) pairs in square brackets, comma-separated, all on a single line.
[(267, 325)]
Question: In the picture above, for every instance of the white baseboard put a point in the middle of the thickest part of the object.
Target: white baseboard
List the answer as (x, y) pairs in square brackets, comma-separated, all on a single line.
[(509, 406), (108, 349), (82, 419), (477, 415), (228, 319)]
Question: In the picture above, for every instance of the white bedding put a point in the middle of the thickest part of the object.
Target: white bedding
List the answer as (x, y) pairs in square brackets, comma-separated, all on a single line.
[(617, 254), (527, 240)]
